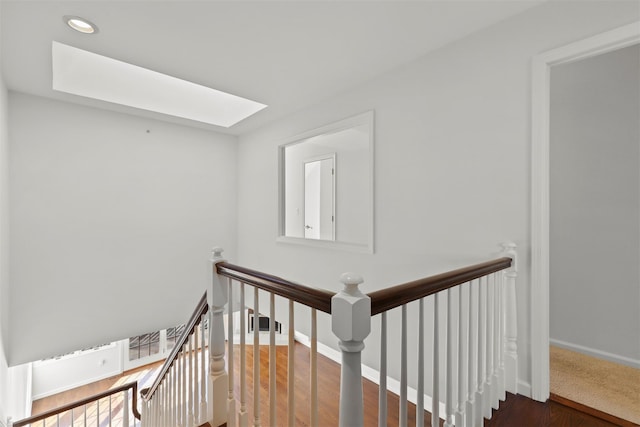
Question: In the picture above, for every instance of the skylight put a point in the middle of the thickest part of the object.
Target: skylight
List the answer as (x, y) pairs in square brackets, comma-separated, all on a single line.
[(88, 74)]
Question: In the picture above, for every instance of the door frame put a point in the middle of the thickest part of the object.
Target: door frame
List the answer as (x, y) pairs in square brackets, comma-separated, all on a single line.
[(541, 70)]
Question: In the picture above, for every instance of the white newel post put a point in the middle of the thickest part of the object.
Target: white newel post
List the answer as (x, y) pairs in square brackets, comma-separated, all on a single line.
[(351, 323), (218, 378), (511, 320)]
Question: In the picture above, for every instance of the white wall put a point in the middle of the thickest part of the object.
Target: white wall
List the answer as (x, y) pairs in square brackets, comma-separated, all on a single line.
[(20, 391), (57, 375), (15, 382), (113, 218), (595, 204), (4, 246), (452, 162)]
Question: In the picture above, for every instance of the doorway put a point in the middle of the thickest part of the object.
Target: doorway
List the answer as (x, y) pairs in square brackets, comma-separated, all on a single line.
[(594, 239), (539, 308)]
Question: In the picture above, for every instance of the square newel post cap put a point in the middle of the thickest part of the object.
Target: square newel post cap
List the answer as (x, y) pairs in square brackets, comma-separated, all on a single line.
[(216, 254), (218, 296), (509, 250), (351, 312)]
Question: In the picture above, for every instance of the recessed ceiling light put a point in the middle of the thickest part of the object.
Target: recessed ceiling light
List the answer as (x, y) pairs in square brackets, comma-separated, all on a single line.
[(80, 24), (88, 74)]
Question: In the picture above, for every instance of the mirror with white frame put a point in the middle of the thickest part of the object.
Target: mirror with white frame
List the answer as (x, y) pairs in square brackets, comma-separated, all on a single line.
[(326, 186)]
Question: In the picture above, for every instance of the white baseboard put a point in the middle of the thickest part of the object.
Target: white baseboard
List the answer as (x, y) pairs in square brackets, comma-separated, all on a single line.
[(622, 360), (370, 373), (524, 388), (78, 384)]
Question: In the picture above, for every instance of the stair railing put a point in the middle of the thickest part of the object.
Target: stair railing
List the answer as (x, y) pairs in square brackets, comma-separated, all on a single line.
[(473, 342), (229, 279), (178, 396), (112, 406)]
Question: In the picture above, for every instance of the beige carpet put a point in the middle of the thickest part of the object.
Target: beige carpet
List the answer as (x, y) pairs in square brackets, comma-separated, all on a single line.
[(600, 384)]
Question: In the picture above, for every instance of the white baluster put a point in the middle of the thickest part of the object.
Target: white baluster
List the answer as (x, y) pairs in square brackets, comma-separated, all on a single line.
[(165, 403), (217, 346), (435, 404), (382, 393), (144, 422), (183, 386), (178, 410), (156, 409), (511, 321), (479, 399), (272, 360), (489, 352), (495, 332), (190, 353), (314, 368), (195, 406), (501, 329), (449, 359), (420, 391), (472, 357), (351, 323), (172, 393), (231, 401), (291, 401), (256, 358), (403, 416), (243, 416), (462, 350)]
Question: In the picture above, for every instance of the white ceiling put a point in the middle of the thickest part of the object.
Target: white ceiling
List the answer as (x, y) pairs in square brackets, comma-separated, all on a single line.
[(285, 54)]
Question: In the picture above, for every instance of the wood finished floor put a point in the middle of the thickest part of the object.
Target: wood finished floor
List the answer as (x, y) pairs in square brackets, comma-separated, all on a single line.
[(516, 411)]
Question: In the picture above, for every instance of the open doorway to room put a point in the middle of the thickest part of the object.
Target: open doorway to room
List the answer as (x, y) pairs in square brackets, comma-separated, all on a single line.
[(594, 233)]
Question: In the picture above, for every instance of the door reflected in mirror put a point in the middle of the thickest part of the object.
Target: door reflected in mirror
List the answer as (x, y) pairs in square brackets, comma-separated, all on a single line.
[(319, 200), (326, 186)]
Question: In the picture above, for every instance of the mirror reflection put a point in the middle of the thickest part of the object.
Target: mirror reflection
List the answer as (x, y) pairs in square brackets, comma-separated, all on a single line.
[(326, 185)]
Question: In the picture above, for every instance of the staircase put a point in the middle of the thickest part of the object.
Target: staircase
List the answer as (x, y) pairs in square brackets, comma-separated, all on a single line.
[(464, 362)]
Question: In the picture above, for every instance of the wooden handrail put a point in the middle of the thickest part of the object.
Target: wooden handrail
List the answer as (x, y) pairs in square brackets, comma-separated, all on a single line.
[(134, 404), (395, 296), (194, 320), (319, 299)]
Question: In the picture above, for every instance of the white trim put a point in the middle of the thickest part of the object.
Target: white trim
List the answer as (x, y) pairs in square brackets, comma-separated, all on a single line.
[(611, 357), (370, 373), (602, 43), (78, 384), (77, 353), (327, 244), (524, 388)]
